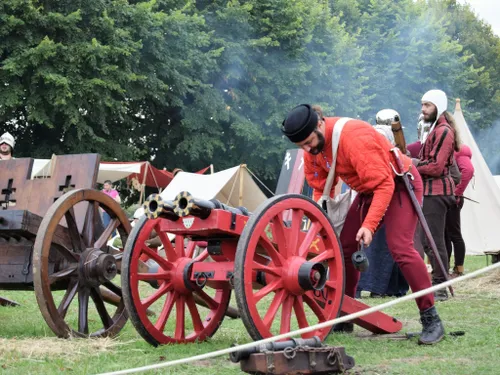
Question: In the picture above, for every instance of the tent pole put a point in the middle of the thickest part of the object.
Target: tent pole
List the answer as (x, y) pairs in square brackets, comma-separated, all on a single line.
[(143, 186), (240, 201)]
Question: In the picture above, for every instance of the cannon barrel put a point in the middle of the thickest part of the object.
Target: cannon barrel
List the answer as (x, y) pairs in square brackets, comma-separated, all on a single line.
[(155, 207), (185, 204), (313, 342)]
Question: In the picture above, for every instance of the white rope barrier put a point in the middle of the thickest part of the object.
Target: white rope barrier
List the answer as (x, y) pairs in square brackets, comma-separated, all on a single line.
[(310, 328)]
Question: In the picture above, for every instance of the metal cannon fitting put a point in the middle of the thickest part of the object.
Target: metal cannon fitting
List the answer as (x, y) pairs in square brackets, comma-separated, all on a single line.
[(155, 207), (185, 205)]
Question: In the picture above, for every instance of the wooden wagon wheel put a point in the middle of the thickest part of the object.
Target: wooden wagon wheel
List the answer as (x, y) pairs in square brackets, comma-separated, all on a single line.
[(276, 270), (197, 314), (72, 230)]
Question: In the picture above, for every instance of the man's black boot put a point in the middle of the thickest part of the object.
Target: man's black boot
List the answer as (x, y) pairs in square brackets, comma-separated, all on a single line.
[(343, 327), (432, 327)]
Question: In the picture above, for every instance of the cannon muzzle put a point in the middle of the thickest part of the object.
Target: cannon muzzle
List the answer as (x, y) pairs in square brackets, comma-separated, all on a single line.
[(185, 204), (313, 342), (155, 207)]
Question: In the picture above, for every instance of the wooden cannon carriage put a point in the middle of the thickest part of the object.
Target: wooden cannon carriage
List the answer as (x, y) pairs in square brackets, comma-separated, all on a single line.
[(52, 240), (284, 263)]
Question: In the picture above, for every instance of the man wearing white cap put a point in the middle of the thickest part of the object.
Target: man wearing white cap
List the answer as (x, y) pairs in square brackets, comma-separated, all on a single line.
[(434, 162), (7, 144)]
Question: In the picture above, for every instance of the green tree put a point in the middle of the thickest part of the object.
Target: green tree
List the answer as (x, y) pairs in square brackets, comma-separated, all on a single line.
[(276, 54), (83, 76)]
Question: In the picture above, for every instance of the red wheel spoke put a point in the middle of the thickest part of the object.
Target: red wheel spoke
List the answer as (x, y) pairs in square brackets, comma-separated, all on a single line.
[(211, 303), (271, 250), (278, 299), (104, 237), (180, 312), (275, 285), (153, 276), (279, 234), (68, 298), (195, 315), (63, 274), (164, 288), (332, 284), (294, 233), (106, 320), (179, 245), (204, 255), (286, 314), (83, 309), (271, 270), (165, 264), (190, 249), (311, 236), (170, 251), (315, 307), (325, 255), (165, 312), (298, 307)]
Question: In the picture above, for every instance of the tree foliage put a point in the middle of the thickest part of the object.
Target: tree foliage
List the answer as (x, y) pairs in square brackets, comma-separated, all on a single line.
[(193, 82)]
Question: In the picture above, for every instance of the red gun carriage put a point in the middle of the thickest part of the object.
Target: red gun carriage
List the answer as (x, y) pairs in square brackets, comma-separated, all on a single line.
[(283, 261)]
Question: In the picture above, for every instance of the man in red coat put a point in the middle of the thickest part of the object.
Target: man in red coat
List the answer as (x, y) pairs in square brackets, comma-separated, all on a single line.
[(365, 163)]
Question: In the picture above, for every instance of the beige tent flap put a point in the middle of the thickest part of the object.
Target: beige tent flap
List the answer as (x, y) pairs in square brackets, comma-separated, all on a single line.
[(480, 221), (234, 187)]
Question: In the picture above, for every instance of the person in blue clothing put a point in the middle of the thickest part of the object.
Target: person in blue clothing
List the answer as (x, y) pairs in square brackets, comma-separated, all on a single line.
[(383, 277)]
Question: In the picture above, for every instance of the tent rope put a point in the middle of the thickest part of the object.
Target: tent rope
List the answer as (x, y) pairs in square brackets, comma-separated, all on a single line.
[(254, 176), (156, 182)]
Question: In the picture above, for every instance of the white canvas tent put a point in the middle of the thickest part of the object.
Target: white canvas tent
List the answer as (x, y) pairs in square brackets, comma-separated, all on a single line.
[(480, 221), (113, 172), (497, 180), (234, 187)]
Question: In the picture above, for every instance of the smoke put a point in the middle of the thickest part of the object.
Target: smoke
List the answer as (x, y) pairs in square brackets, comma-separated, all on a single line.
[(488, 141)]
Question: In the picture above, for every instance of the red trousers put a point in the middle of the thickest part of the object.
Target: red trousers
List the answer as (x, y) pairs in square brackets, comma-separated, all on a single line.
[(400, 221)]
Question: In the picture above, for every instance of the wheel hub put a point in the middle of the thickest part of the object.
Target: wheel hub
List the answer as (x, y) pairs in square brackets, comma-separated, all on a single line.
[(302, 276), (181, 275), (97, 267)]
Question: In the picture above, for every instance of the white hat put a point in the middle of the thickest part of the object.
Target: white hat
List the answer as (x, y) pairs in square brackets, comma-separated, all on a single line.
[(438, 98), (8, 138)]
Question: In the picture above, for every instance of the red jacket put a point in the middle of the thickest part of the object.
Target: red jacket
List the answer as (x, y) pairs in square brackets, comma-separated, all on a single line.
[(463, 158), (363, 162), (436, 157)]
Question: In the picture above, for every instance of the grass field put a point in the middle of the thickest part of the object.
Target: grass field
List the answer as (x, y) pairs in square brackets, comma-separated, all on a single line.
[(27, 346)]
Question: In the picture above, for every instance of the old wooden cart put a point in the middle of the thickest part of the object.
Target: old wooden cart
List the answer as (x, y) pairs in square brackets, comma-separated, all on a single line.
[(52, 240), (283, 261)]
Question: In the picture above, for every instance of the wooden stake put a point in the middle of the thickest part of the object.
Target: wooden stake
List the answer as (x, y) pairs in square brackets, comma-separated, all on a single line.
[(143, 186), (240, 201)]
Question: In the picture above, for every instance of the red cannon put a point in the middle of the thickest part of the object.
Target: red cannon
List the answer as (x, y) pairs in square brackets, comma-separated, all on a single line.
[(286, 274)]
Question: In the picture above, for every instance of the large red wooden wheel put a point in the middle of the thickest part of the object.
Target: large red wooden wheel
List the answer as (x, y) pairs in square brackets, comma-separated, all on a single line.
[(281, 284), (185, 312)]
